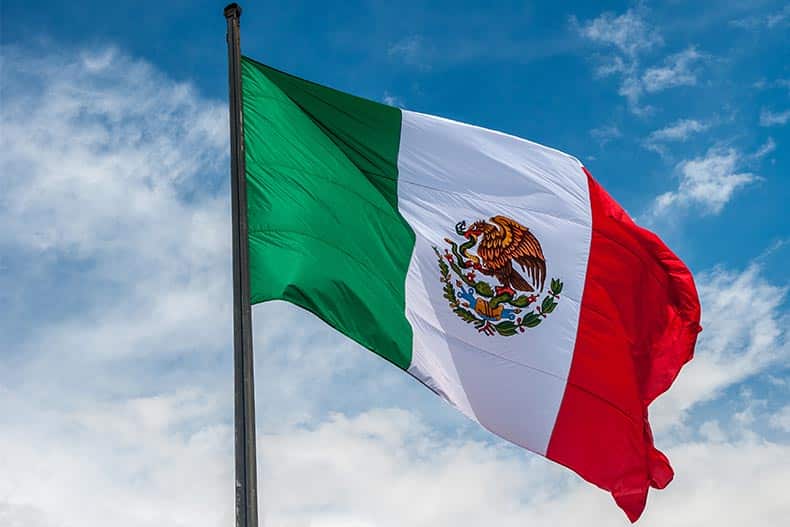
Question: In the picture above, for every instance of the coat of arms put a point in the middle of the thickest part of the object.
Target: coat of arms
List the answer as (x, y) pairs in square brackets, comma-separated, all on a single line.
[(508, 252)]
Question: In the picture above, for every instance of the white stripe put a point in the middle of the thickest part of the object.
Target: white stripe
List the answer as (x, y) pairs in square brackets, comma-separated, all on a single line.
[(449, 172)]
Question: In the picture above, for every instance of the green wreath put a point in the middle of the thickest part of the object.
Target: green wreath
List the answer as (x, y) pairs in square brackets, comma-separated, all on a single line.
[(477, 304)]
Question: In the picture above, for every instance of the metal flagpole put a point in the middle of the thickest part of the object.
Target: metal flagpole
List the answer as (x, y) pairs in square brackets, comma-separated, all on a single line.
[(244, 400)]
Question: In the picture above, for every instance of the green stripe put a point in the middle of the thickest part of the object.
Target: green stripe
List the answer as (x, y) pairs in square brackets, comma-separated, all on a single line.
[(324, 229)]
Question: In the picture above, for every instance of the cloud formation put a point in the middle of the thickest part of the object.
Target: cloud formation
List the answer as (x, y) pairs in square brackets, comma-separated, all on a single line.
[(769, 21), (781, 419), (679, 131), (707, 182), (412, 50), (110, 188), (628, 39), (605, 134), (739, 339), (766, 148), (677, 70), (629, 32), (771, 118)]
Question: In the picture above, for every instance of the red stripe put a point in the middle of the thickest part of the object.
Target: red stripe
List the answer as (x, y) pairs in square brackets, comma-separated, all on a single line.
[(638, 325)]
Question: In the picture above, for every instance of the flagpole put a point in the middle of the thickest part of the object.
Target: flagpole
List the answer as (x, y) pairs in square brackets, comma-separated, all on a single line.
[(244, 392)]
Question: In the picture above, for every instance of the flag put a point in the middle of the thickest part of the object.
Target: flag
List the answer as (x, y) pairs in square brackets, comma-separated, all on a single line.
[(493, 269)]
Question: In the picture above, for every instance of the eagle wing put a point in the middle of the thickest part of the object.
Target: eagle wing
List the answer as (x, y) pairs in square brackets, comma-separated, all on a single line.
[(520, 244)]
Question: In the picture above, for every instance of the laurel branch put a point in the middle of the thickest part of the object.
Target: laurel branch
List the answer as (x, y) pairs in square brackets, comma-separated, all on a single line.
[(459, 302)]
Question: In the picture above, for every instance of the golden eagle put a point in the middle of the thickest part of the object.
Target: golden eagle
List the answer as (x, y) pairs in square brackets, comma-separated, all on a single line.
[(502, 242)]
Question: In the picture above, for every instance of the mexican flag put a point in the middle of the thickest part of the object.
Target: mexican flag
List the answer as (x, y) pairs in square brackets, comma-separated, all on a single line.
[(494, 270)]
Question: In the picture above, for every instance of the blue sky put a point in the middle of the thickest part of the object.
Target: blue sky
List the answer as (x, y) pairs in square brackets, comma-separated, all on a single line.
[(114, 257)]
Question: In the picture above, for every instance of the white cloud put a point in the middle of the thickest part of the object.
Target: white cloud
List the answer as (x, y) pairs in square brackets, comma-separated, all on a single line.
[(629, 33), (382, 468), (412, 50), (604, 134), (678, 70), (107, 162), (744, 332), (708, 182), (409, 476), (631, 88), (781, 419), (763, 84), (744, 419), (110, 191), (765, 149), (770, 118), (629, 37), (711, 431), (776, 19), (678, 131), (144, 462)]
